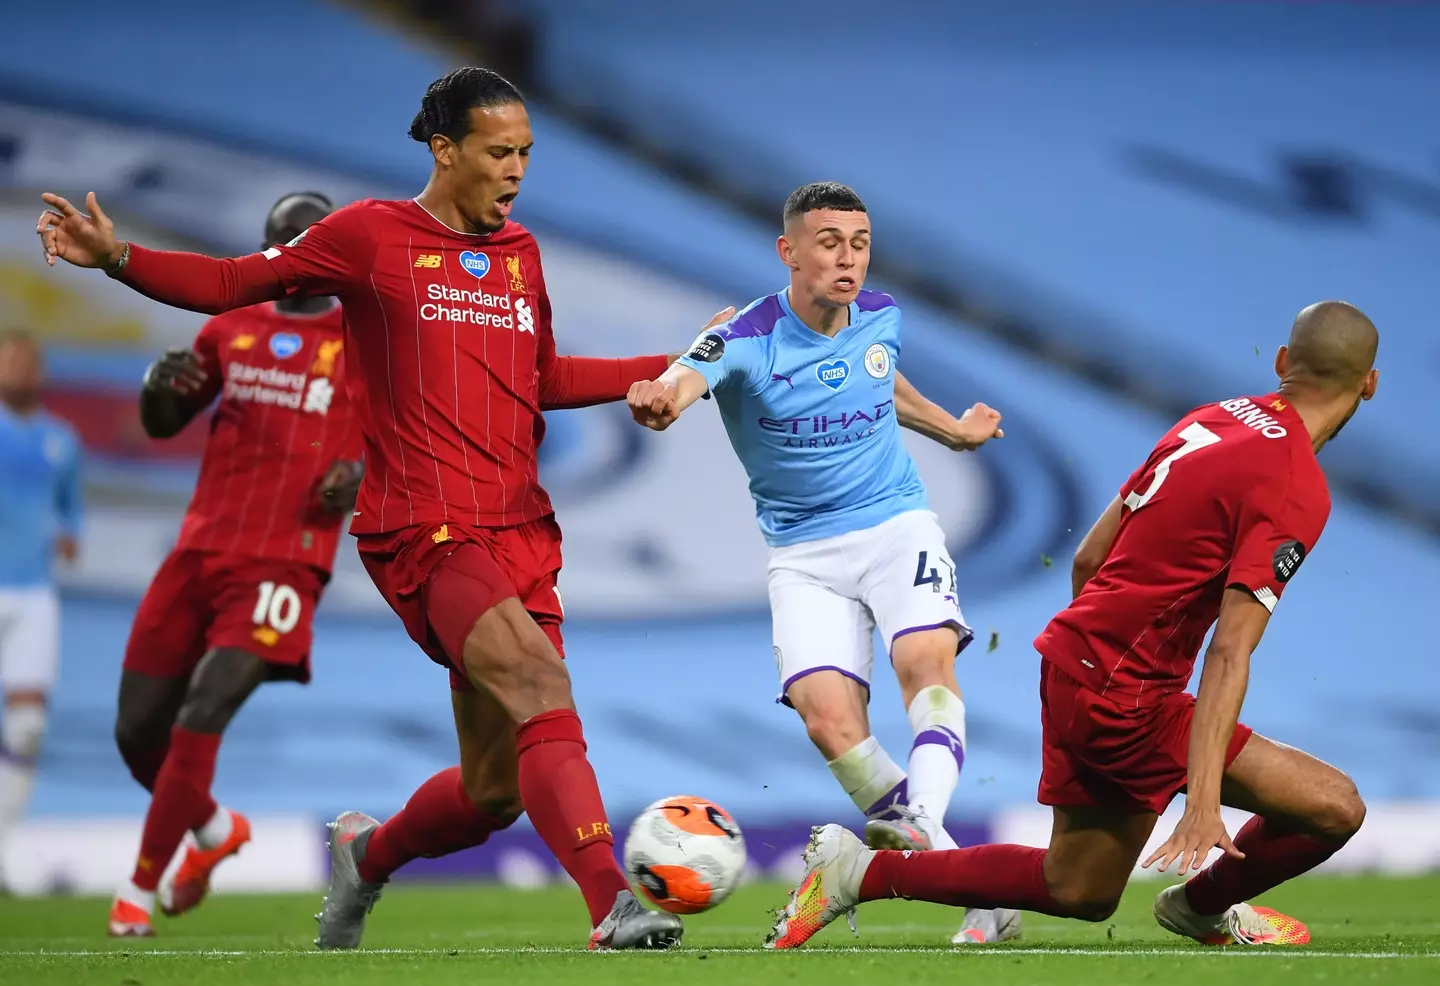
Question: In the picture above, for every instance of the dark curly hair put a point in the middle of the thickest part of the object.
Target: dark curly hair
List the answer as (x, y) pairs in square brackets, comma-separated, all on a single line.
[(450, 98)]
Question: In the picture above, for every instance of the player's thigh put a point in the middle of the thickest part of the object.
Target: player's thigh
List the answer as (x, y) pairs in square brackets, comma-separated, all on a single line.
[(1093, 850), (29, 644), (265, 608), (167, 635), (1281, 783), (909, 584), (489, 763), (473, 608), (815, 627)]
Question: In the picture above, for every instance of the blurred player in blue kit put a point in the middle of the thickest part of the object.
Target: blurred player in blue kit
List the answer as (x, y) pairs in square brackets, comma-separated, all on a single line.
[(807, 385), (39, 521)]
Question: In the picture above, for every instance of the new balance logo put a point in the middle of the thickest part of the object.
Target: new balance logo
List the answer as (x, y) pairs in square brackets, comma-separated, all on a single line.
[(430, 261)]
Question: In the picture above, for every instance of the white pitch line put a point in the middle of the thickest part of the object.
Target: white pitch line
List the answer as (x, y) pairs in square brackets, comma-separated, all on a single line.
[(999, 951)]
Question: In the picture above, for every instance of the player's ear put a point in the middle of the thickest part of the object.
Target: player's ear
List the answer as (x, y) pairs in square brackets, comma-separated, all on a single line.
[(443, 149), (1282, 361), (787, 255), (1372, 381)]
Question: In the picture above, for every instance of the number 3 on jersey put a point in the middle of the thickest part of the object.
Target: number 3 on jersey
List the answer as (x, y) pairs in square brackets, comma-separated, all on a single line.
[(1195, 436), (278, 606)]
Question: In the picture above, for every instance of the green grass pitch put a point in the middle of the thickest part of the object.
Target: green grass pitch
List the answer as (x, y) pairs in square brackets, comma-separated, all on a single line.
[(1365, 930)]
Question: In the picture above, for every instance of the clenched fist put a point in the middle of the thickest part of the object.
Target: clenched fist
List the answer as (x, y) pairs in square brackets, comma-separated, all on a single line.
[(975, 427), (653, 403)]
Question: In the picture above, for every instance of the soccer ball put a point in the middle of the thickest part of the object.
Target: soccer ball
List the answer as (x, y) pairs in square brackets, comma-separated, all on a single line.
[(685, 854)]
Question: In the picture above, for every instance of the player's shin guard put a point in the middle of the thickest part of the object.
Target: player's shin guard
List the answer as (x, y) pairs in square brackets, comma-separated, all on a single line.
[(982, 876), (937, 715), (181, 802), (21, 734), (1273, 854), (874, 781), (562, 798), (438, 819)]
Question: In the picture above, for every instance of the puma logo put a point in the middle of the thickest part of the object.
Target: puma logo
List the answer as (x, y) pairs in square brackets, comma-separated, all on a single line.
[(777, 377)]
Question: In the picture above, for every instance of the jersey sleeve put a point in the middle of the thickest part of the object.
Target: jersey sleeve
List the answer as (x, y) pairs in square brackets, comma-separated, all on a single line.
[(1277, 528), (723, 359), (331, 256)]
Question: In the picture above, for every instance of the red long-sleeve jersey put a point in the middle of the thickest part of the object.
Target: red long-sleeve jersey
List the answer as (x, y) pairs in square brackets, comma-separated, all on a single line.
[(449, 352)]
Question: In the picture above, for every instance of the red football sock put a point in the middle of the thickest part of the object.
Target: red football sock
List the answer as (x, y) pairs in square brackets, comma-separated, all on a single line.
[(982, 876), (557, 785), (181, 802), (438, 819), (145, 763), (1273, 854)]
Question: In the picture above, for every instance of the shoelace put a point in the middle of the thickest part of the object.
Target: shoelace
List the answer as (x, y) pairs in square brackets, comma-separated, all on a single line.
[(1249, 928)]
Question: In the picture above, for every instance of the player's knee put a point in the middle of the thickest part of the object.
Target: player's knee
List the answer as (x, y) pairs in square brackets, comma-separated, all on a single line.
[(513, 659), (135, 734), (1345, 812), (924, 658), (1084, 903), (834, 731), (22, 731)]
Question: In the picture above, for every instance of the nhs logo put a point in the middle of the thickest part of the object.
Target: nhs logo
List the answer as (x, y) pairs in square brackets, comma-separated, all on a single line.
[(833, 373), (476, 264)]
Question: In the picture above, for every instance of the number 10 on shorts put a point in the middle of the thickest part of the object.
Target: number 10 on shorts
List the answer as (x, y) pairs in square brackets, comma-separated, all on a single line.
[(278, 606)]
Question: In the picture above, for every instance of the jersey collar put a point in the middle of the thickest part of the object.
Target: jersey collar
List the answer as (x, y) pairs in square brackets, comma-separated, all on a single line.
[(820, 338)]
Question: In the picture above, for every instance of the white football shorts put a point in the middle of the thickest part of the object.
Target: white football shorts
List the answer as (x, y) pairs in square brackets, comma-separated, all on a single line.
[(828, 596), (29, 639)]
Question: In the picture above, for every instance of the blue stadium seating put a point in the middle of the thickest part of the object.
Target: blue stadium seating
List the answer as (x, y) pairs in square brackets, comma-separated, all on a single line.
[(687, 705)]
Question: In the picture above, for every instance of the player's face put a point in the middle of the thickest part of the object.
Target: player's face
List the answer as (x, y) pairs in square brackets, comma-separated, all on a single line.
[(21, 372), (489, 163), (829, 253)]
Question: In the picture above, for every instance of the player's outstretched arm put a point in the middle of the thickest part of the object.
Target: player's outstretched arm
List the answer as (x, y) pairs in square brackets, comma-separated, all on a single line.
[(175, 389), (184, 280), (1217, 709), (657, 403), (921, 415), (1095, 546)]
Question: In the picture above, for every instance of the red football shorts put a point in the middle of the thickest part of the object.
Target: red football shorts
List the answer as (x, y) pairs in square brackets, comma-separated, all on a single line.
[(1099, 755), (440, 579), (200, 600)]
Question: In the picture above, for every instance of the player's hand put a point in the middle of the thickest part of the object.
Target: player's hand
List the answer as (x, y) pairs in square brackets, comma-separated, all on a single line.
[(976, 427), (653, 404), (71, 235), (176, 370), (340, 486), (1198, 833), (67, 549)]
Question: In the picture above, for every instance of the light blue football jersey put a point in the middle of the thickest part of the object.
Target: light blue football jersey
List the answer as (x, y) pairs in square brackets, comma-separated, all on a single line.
[(39, 494), (811, 417)]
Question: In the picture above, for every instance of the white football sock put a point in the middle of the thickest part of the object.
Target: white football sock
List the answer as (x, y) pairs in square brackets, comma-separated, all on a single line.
[(866, 772), (143, 899), (214, 832), (938, 717), (21, 733)]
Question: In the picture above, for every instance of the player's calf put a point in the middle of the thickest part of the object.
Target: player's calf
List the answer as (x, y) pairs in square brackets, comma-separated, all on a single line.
[(147, 707), (925, 665)]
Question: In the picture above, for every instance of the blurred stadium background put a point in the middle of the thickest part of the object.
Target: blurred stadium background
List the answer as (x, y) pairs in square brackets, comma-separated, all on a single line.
[(1096, 215)]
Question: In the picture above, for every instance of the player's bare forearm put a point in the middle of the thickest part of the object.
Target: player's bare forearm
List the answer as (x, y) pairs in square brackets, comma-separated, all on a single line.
[(921, 415), (1217, 709), (1221, 693), (1095, 546), (656, 404), (584, 381)]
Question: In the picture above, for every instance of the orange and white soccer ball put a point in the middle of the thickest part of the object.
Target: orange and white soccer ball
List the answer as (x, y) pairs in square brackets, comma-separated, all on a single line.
[(685, 854)]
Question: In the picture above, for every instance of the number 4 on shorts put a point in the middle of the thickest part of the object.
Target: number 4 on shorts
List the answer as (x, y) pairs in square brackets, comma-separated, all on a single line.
[(921, 578)]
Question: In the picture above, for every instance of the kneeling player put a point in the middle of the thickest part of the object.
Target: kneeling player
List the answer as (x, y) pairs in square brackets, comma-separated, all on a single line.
[(1213, 524), (807, 386), (231, 606)]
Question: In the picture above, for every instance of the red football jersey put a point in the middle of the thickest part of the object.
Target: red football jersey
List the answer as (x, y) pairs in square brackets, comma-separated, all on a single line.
[(1231, 496), (448, 338), (282, 421)]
